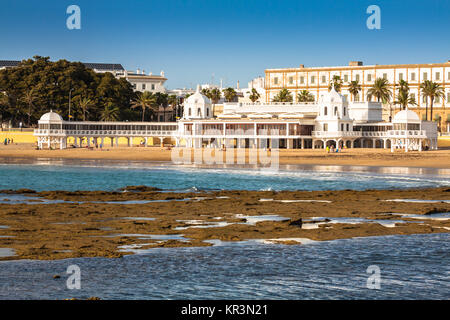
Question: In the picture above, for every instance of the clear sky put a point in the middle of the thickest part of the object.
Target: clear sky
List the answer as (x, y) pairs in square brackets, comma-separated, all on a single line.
[(235, 40)]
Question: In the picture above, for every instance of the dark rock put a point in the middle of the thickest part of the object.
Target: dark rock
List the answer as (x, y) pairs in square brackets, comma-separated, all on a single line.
[(56, 276), (297, 223), (140, 189)]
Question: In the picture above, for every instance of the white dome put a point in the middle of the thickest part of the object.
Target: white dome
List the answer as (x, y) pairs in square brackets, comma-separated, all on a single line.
[(197, 98), (406, 116), (51, 116), (332, 96)]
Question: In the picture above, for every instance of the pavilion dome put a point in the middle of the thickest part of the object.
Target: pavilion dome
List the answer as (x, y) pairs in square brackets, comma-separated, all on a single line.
[(51, 116), (332, 97), (406, 116), (198, 98)]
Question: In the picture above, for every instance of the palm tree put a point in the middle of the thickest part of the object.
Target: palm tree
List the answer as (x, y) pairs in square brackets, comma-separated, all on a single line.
[(229, 94), (380, 90), (404, 99), (432, 90), (84, 104), (162, 101), (354, 88), (206, 92), (144, 100), (403, 86), (254, 96), (214, 96), (283, 96), (336, 82), (29, 97), (305, 96), (173, 102), (110, 113)]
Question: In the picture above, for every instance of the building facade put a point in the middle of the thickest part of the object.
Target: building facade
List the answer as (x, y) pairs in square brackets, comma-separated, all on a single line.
[(317, 79)]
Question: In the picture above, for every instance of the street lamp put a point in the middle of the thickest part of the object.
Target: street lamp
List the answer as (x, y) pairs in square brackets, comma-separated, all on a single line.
[(70, 98)]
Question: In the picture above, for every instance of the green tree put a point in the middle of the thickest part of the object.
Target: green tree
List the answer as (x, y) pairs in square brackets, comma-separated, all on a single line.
[(305, 96), (336, 81), (380, 90), (354, 88), (110, 112), (84, 103), (283, 96), (229, 94), (404, 99), (431, 90), (144, 100), (254, 96), (29, 98)]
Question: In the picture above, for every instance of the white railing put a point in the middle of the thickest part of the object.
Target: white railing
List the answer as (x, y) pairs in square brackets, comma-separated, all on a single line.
[(333, 134), (106, 133), (403, 133), (374, 134)]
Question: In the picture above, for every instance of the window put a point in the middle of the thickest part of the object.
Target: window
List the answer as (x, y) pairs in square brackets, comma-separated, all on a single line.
[(291, 80), (313, 79), (357, 77), (324, 79), (384, 75), (325, 111), (400, 76), (348, 127), (325, 127), (302, 80), (275, 80), (413, 76), (189, 112), (134, 86), (153, 87), (369, 77), (425, 76), (448, 76), (357, 97), (335, 111), (437, 99), (342, 127), (438, 76), (424, 99), (207, 112), (199, 112), (345, 111), (346, 77), (345, 97), (143, 86), (413, 96), (448, 97)]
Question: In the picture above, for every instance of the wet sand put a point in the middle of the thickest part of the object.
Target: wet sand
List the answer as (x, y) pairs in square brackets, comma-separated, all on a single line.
[(359, 157), (82, 227)]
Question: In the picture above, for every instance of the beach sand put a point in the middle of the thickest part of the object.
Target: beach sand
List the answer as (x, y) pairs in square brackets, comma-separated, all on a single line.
[(354, 157)]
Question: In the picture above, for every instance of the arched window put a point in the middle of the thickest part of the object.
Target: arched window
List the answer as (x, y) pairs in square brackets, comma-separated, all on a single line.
[(342, 127), (199, 112), (189, 112), (207, 112), (345, 110), (348, 127), (325, 111), (335, 111)]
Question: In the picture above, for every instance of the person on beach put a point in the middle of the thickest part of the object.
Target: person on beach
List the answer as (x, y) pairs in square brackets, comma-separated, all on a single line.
[(328, 149)]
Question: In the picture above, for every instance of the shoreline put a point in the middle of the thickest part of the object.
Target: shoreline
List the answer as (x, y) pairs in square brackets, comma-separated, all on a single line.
[(439, 159), (54, 225)]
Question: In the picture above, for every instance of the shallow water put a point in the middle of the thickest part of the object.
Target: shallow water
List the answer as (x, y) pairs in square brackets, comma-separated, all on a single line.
[(412, 267), (112, 175)]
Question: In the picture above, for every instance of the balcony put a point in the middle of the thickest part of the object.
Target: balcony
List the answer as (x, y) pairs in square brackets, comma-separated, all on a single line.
[(336, 134)]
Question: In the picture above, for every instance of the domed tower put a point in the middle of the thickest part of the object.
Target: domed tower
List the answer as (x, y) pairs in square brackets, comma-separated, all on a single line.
[(333, 113), (197, 106)]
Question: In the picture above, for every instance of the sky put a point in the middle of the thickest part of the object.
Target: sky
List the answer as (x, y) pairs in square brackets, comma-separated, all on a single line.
[(203, 41)]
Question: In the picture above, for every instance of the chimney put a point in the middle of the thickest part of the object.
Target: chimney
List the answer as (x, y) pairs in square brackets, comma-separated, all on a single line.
[(238, 84), (302, 66), (143, 71), (355, 63), (138, 71)]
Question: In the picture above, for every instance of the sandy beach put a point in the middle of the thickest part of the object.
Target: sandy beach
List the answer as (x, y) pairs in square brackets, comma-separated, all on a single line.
[(360, 157)]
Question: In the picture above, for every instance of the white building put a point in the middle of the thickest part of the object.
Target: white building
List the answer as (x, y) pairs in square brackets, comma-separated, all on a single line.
[(144, 82)]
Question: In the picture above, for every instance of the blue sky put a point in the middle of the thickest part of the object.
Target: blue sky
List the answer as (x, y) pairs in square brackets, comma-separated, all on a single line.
[(234, 40)]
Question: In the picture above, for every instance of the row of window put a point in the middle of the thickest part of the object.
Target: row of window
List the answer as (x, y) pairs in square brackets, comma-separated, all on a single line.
[(108, 127), (370, 78), (143, 86)]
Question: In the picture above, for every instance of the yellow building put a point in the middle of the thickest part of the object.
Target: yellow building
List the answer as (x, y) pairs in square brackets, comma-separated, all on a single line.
[(316, 80)]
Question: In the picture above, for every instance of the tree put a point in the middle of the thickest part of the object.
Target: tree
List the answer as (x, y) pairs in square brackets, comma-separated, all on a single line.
[(336, 82), (305, 96), (380, 90), (431, 90), (254, 96), (29, 97), (206, 92), (173, 102), (144, 100), (229, 94), (283, 96), (110, 112), (214, 96), (162, 101), (404, 99), (354, 88), (84, 103)]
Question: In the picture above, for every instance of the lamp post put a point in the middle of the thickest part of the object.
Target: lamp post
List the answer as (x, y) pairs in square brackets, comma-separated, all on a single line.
[(70, 100)]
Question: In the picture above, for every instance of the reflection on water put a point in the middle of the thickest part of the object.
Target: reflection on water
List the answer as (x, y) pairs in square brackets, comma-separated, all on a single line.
[(412, 267), (112, 175)]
